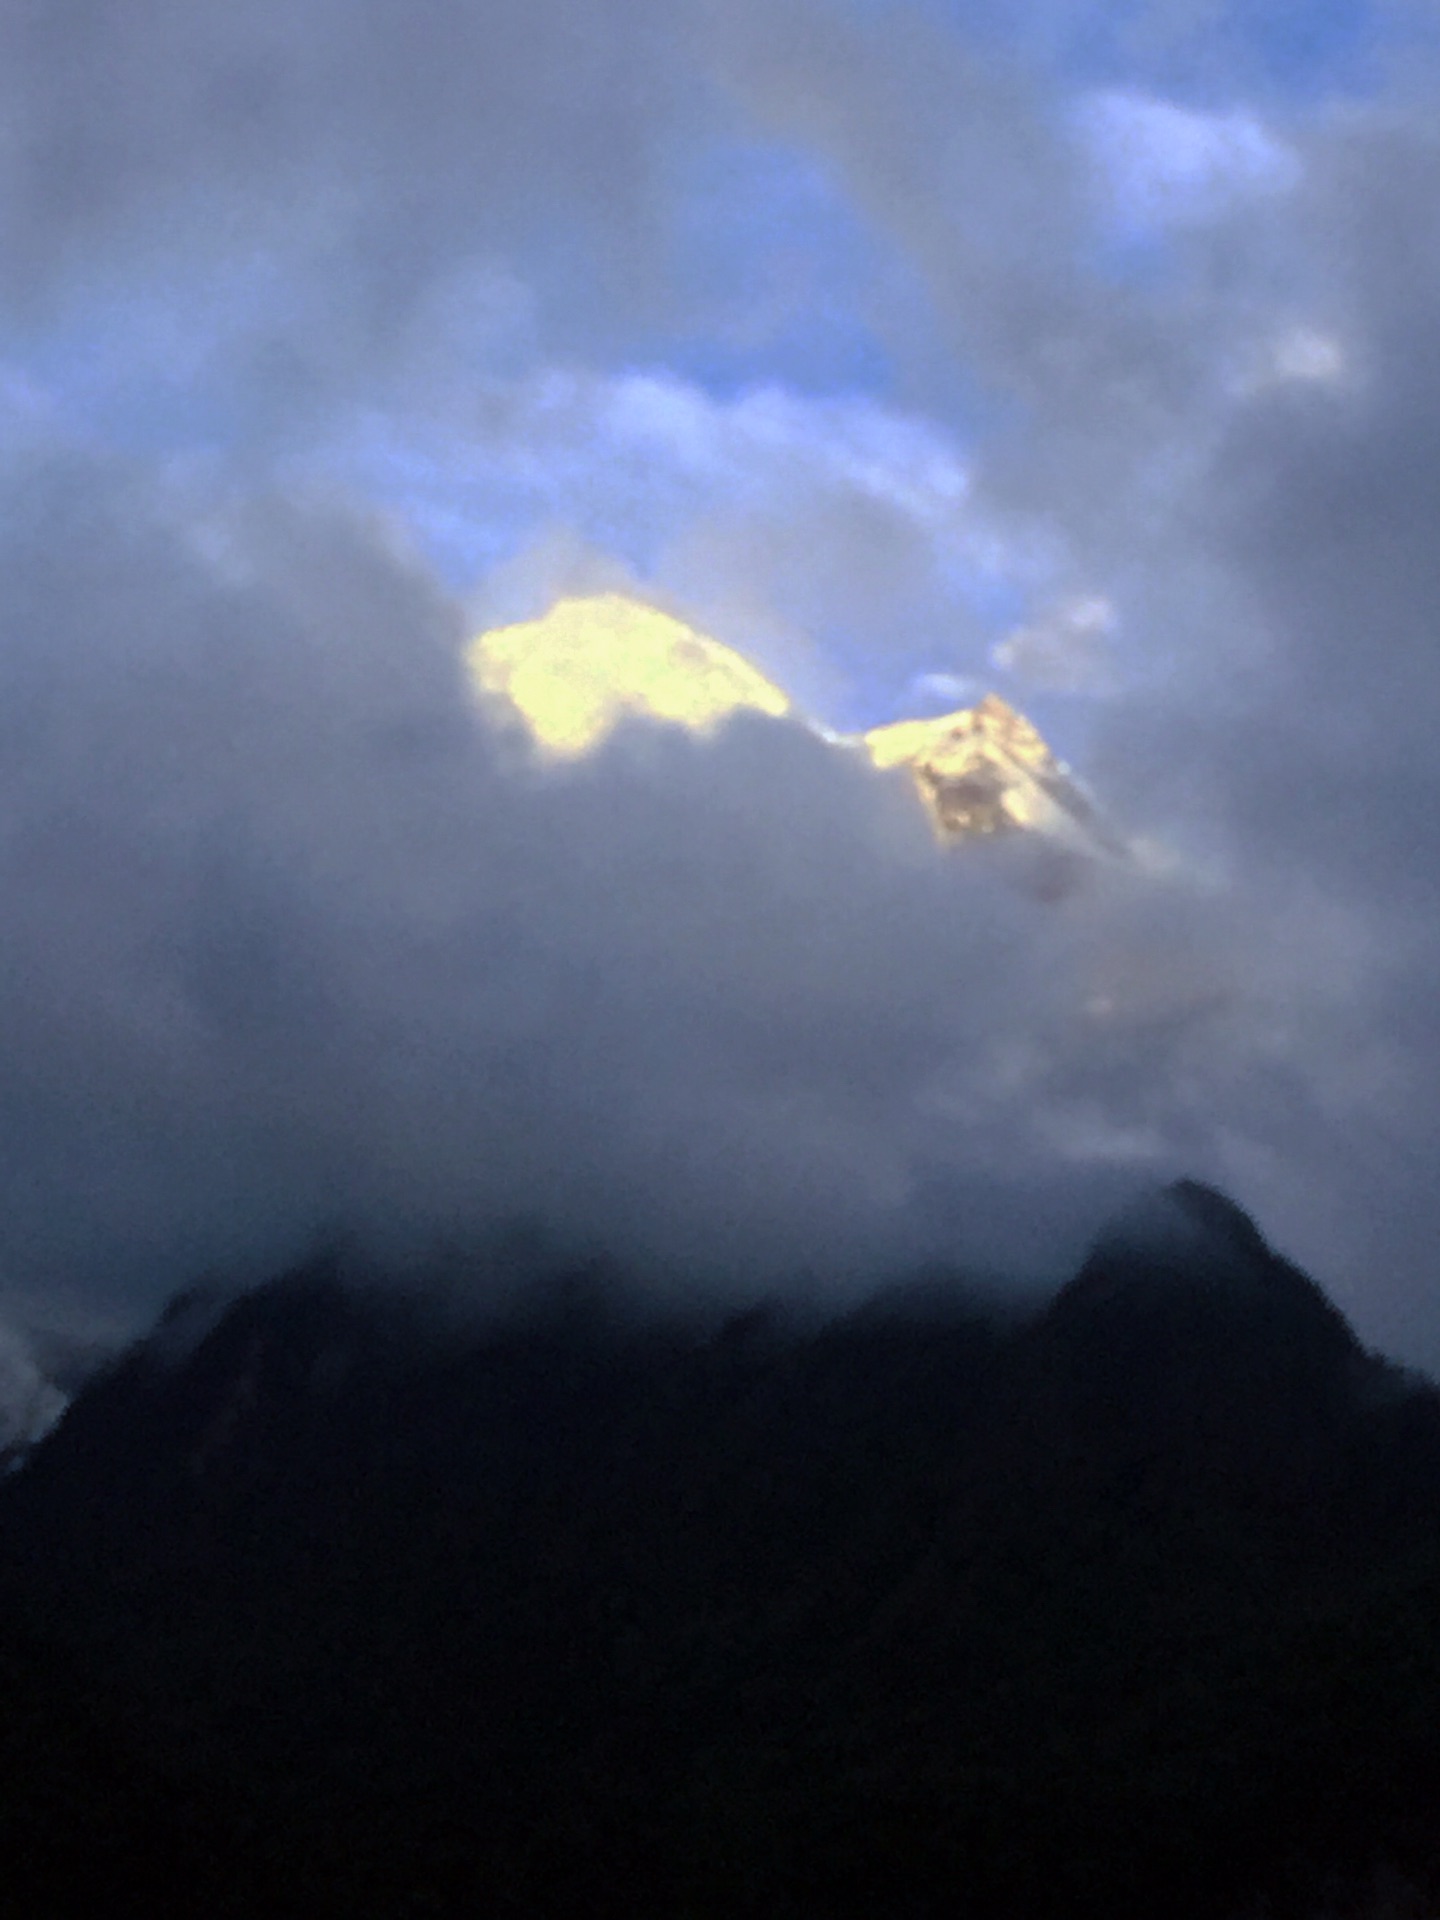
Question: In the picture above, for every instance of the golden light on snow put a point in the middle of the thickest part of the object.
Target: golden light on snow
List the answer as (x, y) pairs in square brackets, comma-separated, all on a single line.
[(981, 770), (591, 662)]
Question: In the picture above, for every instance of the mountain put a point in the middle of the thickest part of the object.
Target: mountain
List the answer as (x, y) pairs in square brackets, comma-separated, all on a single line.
[(31, 1396), (986, 770), (1131, 1605), (1186, 1342), (573, 675)]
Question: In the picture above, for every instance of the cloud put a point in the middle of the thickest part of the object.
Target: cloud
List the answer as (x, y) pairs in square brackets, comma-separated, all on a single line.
[(294, 940), (1165, 165), (313, 200), (1066, 649), (775, 517), (297, 942), (1294, 735)]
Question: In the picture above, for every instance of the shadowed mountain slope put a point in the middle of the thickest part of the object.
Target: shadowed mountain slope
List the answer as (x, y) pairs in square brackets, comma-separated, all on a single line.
[(1131, 1606)]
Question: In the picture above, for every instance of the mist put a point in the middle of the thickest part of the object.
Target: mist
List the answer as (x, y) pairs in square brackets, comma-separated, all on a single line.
[(332, 334)]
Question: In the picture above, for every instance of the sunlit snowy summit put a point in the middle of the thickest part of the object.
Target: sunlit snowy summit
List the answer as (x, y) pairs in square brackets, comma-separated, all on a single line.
[(982, 772), (985, 770)]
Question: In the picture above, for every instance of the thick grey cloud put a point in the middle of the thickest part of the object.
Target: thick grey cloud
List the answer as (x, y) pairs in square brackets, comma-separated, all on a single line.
[(298, 201), (1311, 753), (294, 940), (1239, 445), (297, 940)]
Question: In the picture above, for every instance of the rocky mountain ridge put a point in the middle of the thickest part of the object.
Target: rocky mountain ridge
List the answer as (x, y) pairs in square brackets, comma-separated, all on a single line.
[(985, 770), (1131, 1605), (573, 675)]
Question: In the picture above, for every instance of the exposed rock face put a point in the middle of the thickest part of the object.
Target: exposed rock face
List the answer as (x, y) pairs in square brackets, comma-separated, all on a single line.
[(594, 661), (985, 770)]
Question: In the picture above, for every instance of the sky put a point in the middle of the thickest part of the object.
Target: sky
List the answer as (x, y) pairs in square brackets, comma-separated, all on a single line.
[(914, 347)]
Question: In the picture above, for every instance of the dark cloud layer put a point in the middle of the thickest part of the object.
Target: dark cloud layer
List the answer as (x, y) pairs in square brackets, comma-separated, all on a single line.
[(296, 940)]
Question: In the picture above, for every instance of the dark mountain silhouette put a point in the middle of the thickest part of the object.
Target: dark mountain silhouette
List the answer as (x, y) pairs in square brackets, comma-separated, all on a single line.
[(1129, 1606)]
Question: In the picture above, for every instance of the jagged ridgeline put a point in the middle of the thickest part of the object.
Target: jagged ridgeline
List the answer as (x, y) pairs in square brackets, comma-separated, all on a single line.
[(590, 662), (1130, 1605)]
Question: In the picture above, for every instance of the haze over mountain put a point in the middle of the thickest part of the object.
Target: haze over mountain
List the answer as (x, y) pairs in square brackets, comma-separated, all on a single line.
[(326, 1595), (1076, 356), (1054, 383)]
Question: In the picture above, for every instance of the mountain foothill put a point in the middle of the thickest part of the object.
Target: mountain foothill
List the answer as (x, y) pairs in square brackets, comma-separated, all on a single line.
[(342, 1594)]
